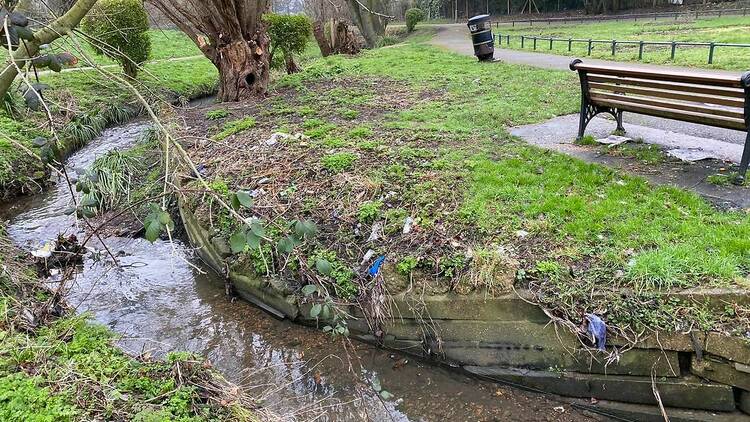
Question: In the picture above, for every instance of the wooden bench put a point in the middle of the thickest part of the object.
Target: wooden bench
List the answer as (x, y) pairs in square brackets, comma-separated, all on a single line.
[(696, 97)]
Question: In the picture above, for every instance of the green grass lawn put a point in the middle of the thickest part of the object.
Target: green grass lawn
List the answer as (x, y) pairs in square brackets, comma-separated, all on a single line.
[(165, 44), (724, 30), (443, 156)]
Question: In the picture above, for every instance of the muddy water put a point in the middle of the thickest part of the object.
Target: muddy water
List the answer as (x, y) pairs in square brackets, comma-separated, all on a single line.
[(162, 298)]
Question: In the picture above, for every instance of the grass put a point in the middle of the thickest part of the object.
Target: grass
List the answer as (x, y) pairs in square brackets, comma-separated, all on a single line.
[(93, 100), (438, 151), (56, 366), (234, 127), (720, 30)]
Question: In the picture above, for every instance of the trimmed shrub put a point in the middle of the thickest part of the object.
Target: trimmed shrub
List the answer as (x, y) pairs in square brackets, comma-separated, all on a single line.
[(413, 16), (119, 30), (289, 35)]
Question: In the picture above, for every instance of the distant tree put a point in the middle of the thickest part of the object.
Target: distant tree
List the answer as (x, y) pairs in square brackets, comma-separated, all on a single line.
[(119, 30), (370, 18), (289, 35), (413, 16)]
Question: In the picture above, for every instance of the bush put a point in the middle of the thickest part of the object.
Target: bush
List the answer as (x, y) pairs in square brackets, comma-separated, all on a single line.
[(413, 16), (289, 34), (119, 30)]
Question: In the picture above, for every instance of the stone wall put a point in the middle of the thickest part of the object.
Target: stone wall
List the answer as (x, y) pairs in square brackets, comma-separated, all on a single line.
[(699, 376)]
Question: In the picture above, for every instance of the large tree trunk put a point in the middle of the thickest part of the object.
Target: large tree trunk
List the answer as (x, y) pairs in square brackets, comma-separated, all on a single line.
[(243, 68), (59, 27), (232, 35)]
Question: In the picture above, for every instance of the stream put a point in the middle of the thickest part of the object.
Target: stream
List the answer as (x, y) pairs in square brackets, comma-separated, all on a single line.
[(163, 298)]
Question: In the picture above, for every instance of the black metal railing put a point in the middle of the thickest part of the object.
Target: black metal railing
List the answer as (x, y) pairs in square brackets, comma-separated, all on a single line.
[(627, 17), (673, 45)]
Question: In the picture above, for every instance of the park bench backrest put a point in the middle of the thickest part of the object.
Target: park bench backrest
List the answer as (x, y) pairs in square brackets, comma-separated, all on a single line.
[(709, 99)]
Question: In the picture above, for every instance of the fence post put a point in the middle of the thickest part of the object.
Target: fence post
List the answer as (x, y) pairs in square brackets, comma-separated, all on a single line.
[(590, 46), (550, 43), (534, 43), (570, 43), (614, 44), (640, 50), (522, 40), (674, 47), (711, 53)]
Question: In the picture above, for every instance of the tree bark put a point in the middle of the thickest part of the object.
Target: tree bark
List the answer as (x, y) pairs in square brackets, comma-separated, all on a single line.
[(291, 65), (367, 15), (59, 27), (320, 38), (243, 68), (232, 35)]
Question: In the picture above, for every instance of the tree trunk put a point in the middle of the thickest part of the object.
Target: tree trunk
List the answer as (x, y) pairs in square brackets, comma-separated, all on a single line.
[(320, 37), (370, 24), (291, 65), (243, 68), (59, 27), (346, 41)]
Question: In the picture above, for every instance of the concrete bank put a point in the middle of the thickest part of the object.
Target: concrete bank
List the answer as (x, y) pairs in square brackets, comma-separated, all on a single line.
[(699, 376)]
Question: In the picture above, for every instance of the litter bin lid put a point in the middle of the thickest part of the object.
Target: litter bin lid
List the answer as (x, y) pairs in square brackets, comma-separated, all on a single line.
[(478, 18)]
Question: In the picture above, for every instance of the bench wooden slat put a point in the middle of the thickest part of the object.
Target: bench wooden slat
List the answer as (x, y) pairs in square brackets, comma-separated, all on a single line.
[(675, 95), (677, 86), (685, 116), (666, 75), (726, 112)]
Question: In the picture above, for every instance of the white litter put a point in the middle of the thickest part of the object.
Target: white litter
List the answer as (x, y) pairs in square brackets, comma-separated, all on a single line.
[(614, 140), (407, 225)]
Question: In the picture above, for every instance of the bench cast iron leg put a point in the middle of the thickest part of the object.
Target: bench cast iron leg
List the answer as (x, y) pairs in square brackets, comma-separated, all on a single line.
[(618, 117), (745, 161)]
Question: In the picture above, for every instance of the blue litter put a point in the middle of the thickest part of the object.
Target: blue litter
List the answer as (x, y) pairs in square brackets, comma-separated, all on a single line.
[(598, 329), (375, 267)]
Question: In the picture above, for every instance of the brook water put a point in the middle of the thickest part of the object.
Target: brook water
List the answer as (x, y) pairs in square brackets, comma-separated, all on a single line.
[(162, 298)]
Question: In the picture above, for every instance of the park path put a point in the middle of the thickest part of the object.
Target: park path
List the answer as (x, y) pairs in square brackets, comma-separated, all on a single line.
[(455, 37), (681, 138)]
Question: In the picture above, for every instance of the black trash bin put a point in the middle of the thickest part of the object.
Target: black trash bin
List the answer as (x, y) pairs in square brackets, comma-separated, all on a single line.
[(481, 35)]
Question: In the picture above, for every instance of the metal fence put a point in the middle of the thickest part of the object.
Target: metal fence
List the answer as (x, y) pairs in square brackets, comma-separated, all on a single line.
[(525, 39), (627, 17)]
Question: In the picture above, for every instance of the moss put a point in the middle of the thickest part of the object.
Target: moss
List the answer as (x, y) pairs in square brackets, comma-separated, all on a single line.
[(338, 162)]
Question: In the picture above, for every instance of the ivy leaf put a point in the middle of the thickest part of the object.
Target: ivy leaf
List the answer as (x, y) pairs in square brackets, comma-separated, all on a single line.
[(309, 289), (89, 201), (252, 240), (286, 245), (235, 203), (238, 241), (40, 142), (244, 199), (257, 229), (305, 229), (153, 229), (315, 311), (323, 266)]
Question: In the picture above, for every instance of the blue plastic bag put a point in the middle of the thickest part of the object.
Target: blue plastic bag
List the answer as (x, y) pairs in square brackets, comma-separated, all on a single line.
[(598, 329)]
